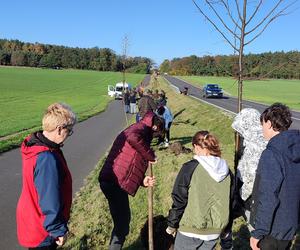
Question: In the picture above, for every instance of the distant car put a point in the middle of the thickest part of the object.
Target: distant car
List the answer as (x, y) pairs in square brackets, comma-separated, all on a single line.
[(212, 90), (117, 90)]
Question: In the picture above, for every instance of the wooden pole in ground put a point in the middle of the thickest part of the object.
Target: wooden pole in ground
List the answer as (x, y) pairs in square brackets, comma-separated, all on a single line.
[(150, 210)]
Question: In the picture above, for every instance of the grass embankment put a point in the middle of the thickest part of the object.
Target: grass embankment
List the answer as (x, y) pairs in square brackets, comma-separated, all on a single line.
[(90, 219), (26, 92), (265, 91)]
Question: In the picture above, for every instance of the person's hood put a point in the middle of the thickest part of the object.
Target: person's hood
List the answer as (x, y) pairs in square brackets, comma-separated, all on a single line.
[(35, 144), (148, 119), (247, 124), (288, 143), (215, 166)]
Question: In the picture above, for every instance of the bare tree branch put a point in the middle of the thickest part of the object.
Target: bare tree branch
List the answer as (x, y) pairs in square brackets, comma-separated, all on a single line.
[(255, 11), (238, 9), (230, 15), (215, 26), (280, 13), (265, 18), (221, 19)]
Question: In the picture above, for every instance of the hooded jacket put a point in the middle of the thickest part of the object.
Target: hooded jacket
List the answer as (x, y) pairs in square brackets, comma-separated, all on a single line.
[(128, 158), (43, 208), (201, 196), (247, 124), (276, 192)]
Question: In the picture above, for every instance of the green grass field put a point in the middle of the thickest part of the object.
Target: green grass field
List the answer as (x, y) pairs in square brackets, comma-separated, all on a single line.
[(265, 91), (91, 223), (26, 93)]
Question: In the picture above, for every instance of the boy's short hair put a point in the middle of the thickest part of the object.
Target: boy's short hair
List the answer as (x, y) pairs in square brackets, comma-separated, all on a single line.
[(58, 114), (279, 115)]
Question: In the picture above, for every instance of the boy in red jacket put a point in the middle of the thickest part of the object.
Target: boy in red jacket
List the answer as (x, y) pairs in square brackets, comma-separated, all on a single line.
[(43, 209)]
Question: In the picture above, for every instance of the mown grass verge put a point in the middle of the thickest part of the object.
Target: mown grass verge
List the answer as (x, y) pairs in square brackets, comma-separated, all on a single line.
[(91, 224), (265, 91)]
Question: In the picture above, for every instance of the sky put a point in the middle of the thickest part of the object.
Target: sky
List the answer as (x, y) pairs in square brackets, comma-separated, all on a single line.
[(158, 29)]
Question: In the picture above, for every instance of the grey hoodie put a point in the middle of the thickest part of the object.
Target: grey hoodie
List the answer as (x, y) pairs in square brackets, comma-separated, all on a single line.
[(247, 124)]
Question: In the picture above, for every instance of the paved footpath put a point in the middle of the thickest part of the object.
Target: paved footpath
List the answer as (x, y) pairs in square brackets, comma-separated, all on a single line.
[(88, 144)]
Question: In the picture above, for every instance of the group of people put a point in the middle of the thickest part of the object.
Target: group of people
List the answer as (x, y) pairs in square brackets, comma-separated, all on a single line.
[(266, 185), (265, 190)]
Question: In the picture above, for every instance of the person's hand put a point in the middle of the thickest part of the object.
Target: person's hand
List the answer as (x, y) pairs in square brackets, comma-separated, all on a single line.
[(153, 162), (61, 240), (172, 231), (253, 243), (149, 181)]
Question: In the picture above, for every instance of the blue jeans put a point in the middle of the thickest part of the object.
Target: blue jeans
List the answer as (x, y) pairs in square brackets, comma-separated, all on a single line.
[(183, 242), (120, 213), (127, 108)]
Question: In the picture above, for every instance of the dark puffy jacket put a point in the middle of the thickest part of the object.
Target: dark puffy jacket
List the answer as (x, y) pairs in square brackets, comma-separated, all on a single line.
[(128, 158), (146, 104), (276, 192)]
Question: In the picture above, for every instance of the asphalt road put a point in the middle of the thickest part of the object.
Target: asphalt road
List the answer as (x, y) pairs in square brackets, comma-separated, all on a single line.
[(227, 103), (89, 143)]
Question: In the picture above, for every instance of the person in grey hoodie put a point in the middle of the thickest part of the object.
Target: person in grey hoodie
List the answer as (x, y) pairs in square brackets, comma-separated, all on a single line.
[(275, 211), (247, 124), (201, 195)]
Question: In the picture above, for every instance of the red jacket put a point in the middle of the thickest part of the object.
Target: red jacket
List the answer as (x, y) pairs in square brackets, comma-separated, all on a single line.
[(44, 205), (128, 158)]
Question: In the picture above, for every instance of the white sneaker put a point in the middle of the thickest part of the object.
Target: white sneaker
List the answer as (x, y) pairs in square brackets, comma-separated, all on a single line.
[(166, 144)]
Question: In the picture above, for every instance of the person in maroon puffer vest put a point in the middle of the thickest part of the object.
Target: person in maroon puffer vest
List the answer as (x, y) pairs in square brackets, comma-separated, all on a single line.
[(124, 171)]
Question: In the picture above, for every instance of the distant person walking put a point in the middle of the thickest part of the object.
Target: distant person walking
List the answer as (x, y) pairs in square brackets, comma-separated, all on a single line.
[(43, 208), (124, 172), (275, 212), (201, 196)]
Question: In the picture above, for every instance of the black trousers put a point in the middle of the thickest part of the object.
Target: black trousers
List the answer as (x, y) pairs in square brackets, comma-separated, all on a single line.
[(52, 247), (270, 243)]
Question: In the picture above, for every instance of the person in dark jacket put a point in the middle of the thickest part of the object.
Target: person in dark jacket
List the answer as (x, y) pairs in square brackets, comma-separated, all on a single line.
[(146, 104), (124, 172), (126, 99), (132, 100), (201, 196), (43, 208), (276, 193)]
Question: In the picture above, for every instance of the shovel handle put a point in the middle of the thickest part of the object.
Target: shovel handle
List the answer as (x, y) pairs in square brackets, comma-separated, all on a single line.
[(150, 210)]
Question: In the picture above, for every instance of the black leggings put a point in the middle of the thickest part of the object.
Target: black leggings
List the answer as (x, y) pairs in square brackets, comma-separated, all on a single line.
[(52, 247)]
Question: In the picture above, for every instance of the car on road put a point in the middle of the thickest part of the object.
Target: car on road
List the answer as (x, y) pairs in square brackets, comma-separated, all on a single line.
[(117, 90), (212, 90)]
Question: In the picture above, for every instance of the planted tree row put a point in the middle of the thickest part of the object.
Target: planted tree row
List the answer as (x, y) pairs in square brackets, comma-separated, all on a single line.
[(17, 53)]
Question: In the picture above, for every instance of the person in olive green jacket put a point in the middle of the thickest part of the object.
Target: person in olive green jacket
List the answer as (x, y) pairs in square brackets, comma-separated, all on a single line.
[(201, 197)]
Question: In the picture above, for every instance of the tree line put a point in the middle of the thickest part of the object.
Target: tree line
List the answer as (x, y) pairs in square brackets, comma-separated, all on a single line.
[(18, 53), (280, 65)]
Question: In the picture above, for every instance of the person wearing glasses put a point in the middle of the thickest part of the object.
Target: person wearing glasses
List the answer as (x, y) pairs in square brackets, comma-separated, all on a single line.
[(44, 205)]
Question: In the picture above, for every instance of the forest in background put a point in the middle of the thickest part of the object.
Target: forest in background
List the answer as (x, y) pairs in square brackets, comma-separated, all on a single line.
[(18, 53), (278, 65)]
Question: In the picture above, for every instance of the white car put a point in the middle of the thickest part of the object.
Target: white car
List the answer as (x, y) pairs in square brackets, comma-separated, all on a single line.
[(117, 90)]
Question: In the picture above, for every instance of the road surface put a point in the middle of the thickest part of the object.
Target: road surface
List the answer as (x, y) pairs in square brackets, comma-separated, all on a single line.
[(227, 103)]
